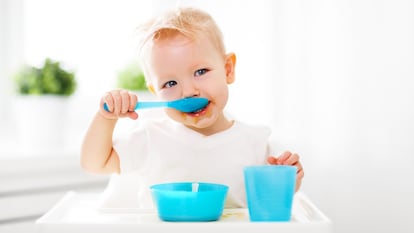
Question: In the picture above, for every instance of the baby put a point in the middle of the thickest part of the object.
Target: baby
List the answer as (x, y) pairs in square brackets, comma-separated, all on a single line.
[(183, 55)]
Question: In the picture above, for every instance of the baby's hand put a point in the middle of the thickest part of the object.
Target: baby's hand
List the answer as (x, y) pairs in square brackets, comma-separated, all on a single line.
[(292, 159), (120, 103)]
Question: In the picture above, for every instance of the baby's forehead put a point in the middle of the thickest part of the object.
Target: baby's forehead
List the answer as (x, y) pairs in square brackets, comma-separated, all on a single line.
[(176, 39), (168, 38), (179, 39)]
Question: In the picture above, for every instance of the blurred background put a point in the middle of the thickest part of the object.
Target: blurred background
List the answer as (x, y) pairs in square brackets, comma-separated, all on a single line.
[(334, 80)]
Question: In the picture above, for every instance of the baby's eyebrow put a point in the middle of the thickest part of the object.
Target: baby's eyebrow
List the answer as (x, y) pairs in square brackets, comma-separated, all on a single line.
[(200, 65)]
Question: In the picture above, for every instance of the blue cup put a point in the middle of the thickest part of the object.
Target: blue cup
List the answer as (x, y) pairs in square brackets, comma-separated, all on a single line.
[(269, 191)]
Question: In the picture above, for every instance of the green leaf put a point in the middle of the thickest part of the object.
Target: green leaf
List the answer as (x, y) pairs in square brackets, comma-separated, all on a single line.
[(132, 78), (49, 79)]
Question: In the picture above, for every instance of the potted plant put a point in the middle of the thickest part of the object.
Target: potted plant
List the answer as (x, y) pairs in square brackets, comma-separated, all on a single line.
[(50, 79), (132, 78), (41, 100)]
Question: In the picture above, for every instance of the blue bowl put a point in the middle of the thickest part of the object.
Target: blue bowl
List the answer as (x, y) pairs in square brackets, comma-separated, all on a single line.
[(178, 201)]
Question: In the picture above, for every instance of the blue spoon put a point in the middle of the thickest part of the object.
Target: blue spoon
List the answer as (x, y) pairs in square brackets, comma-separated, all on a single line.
[(183, 105)]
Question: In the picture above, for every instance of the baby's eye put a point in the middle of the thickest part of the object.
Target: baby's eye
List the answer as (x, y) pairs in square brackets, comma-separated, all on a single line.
[(170, 84), (200, 72)]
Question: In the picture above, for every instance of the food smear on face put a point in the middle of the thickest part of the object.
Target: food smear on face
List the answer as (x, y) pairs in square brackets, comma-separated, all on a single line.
[(195, 117)]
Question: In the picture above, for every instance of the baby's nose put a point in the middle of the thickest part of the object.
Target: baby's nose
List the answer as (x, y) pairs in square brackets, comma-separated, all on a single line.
[(190, 90)]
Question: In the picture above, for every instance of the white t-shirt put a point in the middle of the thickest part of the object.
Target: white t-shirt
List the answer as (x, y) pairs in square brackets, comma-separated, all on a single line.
[(166, 151)]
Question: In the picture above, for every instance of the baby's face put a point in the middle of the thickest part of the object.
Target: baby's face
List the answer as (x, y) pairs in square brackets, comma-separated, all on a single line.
[(180, 67)]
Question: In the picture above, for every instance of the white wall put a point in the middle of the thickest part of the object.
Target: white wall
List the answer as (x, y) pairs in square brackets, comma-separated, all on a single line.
[(11, 55), (344, 99)]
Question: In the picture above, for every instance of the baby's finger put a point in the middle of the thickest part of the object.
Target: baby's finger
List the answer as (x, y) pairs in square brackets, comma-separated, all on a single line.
[(117, 102), (125, 101), (283, 157), (300, 174), (291, 160), (298, 182), (272, 160), (133, 99), (299, 167), (109, 101), (133, 115)]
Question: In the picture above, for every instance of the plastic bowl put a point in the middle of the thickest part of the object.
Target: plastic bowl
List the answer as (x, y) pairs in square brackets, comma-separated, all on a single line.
[(179, 202)]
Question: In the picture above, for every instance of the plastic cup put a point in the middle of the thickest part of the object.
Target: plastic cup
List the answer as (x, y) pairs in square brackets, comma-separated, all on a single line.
[(269, 191)]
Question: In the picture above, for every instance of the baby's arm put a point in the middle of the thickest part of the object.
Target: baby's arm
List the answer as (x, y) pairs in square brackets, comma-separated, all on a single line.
[(97, 153), (288, 158)]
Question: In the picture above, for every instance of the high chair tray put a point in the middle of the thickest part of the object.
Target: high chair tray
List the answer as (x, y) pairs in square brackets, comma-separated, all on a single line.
[(80, 213)]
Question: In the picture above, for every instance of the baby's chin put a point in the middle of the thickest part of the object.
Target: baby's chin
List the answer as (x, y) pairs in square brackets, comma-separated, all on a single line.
[(196, 123), (202, 123)]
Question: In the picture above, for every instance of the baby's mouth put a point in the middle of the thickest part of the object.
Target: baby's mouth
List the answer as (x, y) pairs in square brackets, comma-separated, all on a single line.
[(199, 111)]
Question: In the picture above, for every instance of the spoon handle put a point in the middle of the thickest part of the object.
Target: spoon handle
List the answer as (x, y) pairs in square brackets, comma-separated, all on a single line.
[(150, 104), (145, 104)]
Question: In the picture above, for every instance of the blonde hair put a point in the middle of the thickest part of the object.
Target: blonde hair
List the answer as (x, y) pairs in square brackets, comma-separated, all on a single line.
[(190, 22)]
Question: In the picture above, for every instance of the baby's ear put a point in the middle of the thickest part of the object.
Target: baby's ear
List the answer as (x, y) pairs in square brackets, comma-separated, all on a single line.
[(230, 65)]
